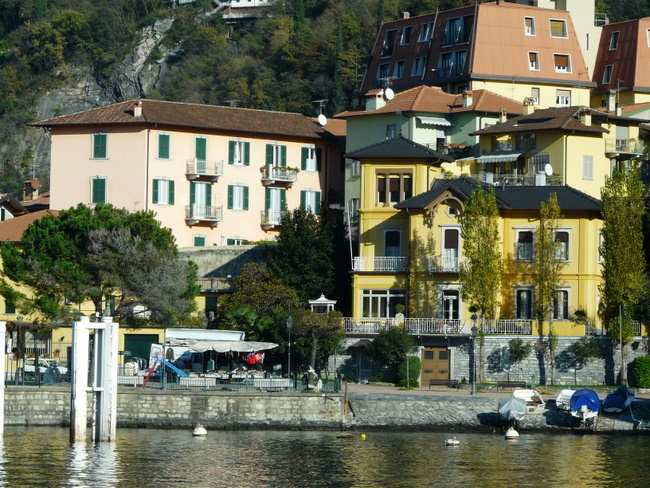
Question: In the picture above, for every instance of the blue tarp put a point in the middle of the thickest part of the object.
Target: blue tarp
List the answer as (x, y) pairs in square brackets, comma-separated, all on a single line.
[(619, 400), (586, 397)]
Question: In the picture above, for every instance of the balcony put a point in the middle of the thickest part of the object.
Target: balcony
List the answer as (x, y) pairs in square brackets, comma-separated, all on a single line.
[(519, 180), (389, 264), (197, 214), (213, 284), (271, 219), (198, 169), (510, 327), (622, 147), (443, 265), (278, 175), (415, 326)]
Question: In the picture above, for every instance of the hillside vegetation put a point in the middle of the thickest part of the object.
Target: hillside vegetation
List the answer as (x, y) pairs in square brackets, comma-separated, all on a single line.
[(299, 52)]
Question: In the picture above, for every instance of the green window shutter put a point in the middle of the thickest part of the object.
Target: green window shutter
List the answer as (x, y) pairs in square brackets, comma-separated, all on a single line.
[(99, 146), (317, 203), (283, 200), (230, 196), (200, 148), (303, 158), (192, 193), (283, 152), (303, 199), (10, 308), (267, 198), (99, 190), (318, 158), (245, 198), (155, 190), (163, 146), (230, 242), (231, 152), (208, 195), (171, 192), (247, 154), (199, 241), (269, 154)]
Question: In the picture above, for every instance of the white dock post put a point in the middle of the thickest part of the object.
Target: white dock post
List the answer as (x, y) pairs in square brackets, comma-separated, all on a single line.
[(107, 381), (79, 379), (3, 329)]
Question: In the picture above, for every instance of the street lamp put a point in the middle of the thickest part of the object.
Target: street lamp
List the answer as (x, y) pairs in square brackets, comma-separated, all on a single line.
[(474, 334), (21, 352), (289, 326)]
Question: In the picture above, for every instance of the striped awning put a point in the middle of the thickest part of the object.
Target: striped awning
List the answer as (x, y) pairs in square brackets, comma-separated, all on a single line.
[(503, 157), (434, 121)]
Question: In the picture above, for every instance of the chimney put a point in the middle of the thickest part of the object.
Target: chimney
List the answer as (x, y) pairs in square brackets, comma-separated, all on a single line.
[(611, 101), (467, 98), (137, 109), (503, 116), (585, 117), (406, 15), (30, 190), (375, 101), (529, 105)]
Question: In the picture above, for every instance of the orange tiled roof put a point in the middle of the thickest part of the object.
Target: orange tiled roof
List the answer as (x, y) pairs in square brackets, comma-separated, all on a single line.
[(425, 98), (12, 230), (194, 116)]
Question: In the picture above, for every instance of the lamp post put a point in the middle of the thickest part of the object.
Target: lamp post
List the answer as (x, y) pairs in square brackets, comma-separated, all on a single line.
[(289, 326), (474, 333), (21, 352)]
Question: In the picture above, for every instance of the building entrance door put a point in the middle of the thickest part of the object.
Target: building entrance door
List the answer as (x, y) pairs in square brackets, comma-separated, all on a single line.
[(435, 364)]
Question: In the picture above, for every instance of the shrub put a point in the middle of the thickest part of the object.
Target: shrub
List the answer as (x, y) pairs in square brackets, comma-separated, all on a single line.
[(413, 373), (640, 372), (518, 350)]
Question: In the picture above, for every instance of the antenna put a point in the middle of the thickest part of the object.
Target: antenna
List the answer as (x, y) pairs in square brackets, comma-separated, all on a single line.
[(320, 103), (232, 103)]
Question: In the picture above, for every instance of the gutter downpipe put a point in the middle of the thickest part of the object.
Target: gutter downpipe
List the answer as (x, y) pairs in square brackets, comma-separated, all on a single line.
[(565, 160)]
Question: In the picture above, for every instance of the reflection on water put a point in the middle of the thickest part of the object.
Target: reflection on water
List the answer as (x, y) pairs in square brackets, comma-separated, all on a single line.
[(243, 459)]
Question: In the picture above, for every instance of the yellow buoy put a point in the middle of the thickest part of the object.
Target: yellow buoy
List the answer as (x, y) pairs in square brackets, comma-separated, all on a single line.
[(363, 436)]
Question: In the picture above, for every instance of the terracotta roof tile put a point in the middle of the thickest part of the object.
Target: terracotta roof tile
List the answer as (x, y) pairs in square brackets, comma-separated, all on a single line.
[(193, 116), (12, 230), (397, 147)]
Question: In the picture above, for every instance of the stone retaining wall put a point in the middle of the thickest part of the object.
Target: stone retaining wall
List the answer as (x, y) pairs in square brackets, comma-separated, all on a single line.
[(220, 410)]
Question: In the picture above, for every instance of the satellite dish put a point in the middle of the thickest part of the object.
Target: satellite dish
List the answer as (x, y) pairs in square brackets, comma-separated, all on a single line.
[(389, 94), (548, 169), (322, 120)]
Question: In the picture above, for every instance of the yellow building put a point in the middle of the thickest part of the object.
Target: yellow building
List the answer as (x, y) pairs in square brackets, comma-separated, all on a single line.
[(575, 146)]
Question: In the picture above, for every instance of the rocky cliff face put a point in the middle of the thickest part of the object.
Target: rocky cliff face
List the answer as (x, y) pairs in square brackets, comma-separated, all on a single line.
[(136, 76)]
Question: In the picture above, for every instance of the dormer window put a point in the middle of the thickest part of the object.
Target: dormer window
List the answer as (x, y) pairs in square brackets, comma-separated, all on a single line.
[(458, 30), (613, 41), (389, 43), (607, 74), (558, 28), (529, 26), (425, 32), (406, 35), (562, 63)]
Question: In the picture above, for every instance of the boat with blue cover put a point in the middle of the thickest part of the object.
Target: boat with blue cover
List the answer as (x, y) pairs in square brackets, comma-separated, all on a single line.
[(585, 404)]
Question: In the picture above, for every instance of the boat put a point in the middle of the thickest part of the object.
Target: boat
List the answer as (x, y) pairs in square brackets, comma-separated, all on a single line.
[(512, 409), (534, 401), (585, 404), (452, 441), (619, 400), (563, 400)]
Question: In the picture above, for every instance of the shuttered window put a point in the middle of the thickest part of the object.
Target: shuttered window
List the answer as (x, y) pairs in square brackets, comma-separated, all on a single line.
[(98, 189), (163, 146), (163, 191), (100, 146)]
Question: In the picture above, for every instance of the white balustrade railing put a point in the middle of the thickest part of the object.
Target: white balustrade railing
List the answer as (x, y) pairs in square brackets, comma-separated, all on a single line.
[(202, 167), (509, 326), (443, 265), (379, 263), (415, 326), (203, 212), (279, 173)]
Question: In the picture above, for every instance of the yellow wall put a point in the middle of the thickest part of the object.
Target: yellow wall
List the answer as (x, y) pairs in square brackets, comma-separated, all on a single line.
[(518, 90)]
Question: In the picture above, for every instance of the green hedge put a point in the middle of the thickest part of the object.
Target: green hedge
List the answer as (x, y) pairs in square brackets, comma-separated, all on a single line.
[(413, 372), (639, 375)]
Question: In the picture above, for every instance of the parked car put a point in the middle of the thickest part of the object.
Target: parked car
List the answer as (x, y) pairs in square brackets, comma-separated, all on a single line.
[(43, 365)]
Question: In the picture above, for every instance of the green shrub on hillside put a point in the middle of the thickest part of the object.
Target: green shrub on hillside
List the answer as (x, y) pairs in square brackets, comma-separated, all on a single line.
[(640, 372)]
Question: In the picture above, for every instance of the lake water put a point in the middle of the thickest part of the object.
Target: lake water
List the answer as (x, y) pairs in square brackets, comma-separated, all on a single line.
[(33, 457)]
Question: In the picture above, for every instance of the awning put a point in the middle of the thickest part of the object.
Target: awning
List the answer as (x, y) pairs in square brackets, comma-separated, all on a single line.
[(225, 346), (434, 121), (498, 157)]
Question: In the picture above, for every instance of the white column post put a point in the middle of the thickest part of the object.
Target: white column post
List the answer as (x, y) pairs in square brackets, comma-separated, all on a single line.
[(3, 357), (107, 364), (79, 379)]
